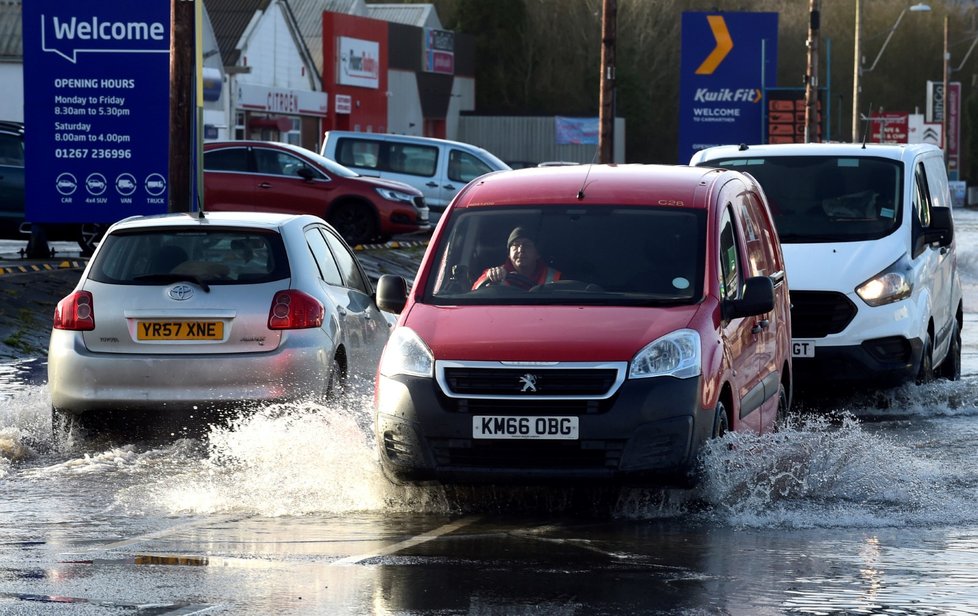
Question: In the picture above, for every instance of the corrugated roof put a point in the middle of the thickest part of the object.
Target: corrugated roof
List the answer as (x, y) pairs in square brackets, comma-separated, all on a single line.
[(309, 18), (419, 15), (230, 18), (11, 32)]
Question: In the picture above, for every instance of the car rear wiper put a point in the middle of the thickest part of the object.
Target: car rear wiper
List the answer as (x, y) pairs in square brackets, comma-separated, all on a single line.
[(166, 278)]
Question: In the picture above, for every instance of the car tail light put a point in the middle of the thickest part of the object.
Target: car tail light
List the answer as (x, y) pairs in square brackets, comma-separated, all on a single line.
[(295, 310), (75, 312)]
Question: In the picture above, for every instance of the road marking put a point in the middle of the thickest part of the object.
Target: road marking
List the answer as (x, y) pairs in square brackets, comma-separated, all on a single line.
[(158, 534), (408, 543)]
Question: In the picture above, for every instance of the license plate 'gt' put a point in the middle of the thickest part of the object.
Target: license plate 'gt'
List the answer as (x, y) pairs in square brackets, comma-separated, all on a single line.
[(179, 330), (509, 427), (802, 348)]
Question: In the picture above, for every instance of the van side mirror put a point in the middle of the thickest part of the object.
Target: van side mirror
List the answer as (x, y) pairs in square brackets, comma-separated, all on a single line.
[(941, 229), (391, 293), (758, 298)]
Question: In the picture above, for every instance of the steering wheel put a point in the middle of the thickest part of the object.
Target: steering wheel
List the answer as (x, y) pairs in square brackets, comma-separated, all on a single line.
[(513, 279)]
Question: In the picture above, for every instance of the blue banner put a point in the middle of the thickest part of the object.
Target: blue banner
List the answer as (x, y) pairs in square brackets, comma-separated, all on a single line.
[(727, 61), (96, 113), (576, 130)]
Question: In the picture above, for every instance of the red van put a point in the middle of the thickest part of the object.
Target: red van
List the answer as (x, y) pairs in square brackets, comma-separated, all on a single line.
[(585, 323)]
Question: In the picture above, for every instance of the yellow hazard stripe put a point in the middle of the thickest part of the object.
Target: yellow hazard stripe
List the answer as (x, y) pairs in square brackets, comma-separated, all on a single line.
[(162, 559), (394, 244), (41, 267)]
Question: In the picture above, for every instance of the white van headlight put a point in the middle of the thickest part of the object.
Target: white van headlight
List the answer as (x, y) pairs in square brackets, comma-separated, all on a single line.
[(890, 285), (395, 195), (676, 354), (406, 353)]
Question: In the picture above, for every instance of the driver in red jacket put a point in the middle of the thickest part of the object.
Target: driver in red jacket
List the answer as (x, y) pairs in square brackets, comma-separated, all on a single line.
[(524, 269)]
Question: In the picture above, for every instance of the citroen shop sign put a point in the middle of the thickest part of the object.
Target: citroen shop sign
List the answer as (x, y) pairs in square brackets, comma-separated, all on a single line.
[(96, 113)]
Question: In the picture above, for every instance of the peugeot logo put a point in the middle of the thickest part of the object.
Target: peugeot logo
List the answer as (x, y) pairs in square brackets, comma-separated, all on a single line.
[(181, 292), (529, 382)]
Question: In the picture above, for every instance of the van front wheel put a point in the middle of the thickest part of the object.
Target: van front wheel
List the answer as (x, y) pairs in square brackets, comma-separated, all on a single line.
[(950, 368), (721, 425), (926, 372)]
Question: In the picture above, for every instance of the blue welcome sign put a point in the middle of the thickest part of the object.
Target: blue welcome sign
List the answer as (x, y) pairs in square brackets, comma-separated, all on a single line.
[(96, 113), (727, 61)]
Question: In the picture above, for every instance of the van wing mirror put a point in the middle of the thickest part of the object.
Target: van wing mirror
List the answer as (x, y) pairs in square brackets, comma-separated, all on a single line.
[(758, 299), (941, 229), (391, 293)]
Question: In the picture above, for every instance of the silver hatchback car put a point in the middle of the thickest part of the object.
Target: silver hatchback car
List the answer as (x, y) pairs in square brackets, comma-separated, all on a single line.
[(186, 311)]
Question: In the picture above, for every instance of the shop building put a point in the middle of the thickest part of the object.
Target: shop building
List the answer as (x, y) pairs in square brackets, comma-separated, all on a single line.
[(273, 86)]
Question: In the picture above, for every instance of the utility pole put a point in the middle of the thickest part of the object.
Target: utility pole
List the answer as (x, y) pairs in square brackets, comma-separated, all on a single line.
[(856, 70), (811, 74), (182, 110), (945, 71), (606, 138)]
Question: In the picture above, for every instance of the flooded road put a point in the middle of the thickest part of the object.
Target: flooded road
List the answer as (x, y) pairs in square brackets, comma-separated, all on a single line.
[(863, 506)]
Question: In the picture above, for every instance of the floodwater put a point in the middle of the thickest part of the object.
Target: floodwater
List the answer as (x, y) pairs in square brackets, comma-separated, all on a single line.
[(865, 505)]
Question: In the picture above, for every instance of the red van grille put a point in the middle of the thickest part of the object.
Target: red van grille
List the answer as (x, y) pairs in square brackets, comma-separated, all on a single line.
[(469, 381)]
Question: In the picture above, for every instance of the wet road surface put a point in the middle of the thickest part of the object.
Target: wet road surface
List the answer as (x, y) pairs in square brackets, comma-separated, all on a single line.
[(864, 507)]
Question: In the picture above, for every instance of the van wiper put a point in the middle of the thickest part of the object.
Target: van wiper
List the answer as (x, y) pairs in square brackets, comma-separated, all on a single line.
[(168, 278)]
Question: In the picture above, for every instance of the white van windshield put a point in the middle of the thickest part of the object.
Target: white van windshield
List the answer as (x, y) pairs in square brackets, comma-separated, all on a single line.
[(827, 198), (602, 255)]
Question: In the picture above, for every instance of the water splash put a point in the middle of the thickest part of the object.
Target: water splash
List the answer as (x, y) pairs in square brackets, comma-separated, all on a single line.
[(846, 467), (822, 471)]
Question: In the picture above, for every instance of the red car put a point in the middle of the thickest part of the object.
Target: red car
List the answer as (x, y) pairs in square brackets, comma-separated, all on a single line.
[(586, 323), (267, 176)]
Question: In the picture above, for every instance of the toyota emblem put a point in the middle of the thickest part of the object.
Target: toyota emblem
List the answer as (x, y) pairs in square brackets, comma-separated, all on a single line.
[(181, 292)]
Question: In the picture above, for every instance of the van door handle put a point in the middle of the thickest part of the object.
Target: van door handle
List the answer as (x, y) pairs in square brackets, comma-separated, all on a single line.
[(264, 185), (432, 184), (449, 186), (761, 326)]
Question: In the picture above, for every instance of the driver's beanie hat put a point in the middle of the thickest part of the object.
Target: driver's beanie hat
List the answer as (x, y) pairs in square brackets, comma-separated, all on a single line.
[(519, 233)]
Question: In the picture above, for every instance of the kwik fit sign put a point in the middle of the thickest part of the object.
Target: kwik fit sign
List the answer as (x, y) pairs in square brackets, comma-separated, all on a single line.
[(727, 61)]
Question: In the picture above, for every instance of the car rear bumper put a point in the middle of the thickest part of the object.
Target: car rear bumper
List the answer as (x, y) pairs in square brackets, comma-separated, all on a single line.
[(649, 432), (81, 381)]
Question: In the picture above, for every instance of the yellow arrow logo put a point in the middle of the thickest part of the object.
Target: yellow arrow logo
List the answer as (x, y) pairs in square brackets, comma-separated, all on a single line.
[(724, 45)]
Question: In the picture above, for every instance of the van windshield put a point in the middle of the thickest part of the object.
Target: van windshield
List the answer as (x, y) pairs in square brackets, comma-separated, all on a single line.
[(827, 198), (599, 255)]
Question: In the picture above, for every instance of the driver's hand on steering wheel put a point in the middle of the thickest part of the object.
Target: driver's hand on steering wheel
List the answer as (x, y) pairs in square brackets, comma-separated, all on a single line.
[(497, 274)]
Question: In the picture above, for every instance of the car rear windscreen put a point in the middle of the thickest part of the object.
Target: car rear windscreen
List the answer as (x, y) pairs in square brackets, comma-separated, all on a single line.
[(211, 256)]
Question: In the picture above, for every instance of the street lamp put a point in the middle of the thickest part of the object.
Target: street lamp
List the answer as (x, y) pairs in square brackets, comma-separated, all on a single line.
[(858, 70)]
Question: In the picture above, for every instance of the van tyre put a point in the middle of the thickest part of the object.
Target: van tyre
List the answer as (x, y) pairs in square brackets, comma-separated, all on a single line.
[(721, 425), (926, 372), (950, 368), (782, 413)]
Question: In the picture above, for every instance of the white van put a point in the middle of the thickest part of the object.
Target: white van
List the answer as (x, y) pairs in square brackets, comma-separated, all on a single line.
[(868, 241), (436, 167)]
